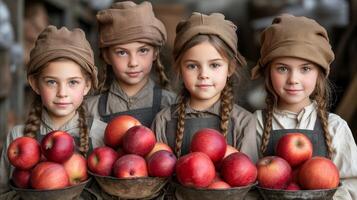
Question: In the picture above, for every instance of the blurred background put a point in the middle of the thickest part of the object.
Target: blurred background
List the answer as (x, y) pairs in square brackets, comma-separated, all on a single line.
[(22, 20)]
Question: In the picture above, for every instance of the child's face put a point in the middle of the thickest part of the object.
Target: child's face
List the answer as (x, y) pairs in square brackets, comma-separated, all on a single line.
[(131, 62), (204, 72), (293, 80), (62, 86)]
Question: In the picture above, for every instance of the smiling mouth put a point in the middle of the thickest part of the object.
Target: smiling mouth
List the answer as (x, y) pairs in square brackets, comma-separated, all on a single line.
[(292, 91), (204, 86)]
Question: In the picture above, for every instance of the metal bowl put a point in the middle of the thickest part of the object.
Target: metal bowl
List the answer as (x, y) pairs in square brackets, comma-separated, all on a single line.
[(130, 188), (272, 194), (234, 193), (67, 193)]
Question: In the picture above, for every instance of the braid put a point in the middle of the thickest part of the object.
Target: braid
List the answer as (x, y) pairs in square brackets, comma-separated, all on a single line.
[(33, 121), (180, 121), (83, 131), (164, 81), (226, 107), (323, 115), (106, 79), (322, 95), (267, 125)]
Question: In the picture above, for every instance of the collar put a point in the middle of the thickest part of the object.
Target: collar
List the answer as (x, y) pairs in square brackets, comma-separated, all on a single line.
[(47, 122), (142, 93), (214, 109), (306, 112)]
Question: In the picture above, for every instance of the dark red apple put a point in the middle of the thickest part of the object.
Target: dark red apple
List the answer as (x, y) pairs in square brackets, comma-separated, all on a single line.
[(295, 148), (57, 146), (210, 142), (49, 175), (21, 178), (101, 160), (238, 170), (139, 140), (161, 164), (24, 153), (319, 173), (76, 168), (116, 129), (273, 172), (195, 169), (130, 166)]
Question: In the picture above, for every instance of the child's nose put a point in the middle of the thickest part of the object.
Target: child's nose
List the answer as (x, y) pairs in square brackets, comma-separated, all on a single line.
[(62, 91), (133, 62), (203, 73), (293, 77)]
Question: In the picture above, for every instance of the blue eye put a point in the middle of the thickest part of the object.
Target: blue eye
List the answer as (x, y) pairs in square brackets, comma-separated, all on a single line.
[(282, 69), (120, 52), (50, 82), (144, 50), (306, 69), (191, 66), (73, 82), (215, 65)]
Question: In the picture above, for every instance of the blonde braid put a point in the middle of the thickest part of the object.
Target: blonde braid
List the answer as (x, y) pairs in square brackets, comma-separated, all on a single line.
[(33, 122), (164, 81), (226, 107), (83, 131), (180, 121)]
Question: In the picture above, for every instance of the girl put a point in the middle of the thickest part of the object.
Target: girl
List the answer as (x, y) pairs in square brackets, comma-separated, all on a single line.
[(206, 58), (295, 62), (61, 72), (130, 38)]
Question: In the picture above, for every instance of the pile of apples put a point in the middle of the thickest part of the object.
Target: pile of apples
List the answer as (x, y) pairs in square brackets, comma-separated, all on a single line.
[(51, 164), (131, 151), (293, 167), (213, 164)]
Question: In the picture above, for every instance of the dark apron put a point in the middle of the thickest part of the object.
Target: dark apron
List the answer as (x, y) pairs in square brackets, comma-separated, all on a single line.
[(144, 115), (316, 137), (191, 127)]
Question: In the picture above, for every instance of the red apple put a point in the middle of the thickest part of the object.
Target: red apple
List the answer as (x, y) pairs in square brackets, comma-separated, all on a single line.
[(273, 172), (116, 129), (21, 178), (57, 146), (238, 170), (139, 140), (49, 175), (76, 168), (295, 174), (210, 142), (292, 186), (161, 164), (158, 146), (195, 169), (295, 148), (218, 185), (101, 160), (130, 166), (24, 153), (319, 173)]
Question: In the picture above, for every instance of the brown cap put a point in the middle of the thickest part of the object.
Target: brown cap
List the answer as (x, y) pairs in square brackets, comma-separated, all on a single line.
[(53, 43), (198, 23), (126, 22), (299, 37)]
